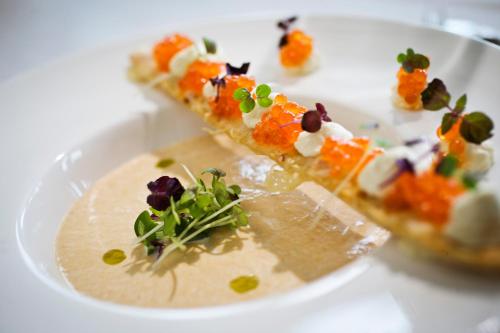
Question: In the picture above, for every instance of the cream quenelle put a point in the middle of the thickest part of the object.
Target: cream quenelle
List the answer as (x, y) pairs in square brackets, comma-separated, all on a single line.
[(185, 57), (309, 144), (376, 173), (475, 219)]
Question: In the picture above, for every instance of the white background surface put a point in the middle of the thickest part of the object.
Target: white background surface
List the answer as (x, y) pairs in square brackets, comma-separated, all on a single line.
[(34, 32)]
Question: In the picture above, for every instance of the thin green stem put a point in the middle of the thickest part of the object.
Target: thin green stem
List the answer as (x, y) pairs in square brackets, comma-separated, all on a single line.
[(190, 225), (217, 223), (149, 233), (174, 212), (222, 210), (190, 174)]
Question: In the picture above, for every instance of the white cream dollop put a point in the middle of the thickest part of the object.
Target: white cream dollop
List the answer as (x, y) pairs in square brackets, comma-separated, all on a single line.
[(382, 167), (475, 219), (209, 91), (309, 144), (478, 158), (182, 59), (185, 57)]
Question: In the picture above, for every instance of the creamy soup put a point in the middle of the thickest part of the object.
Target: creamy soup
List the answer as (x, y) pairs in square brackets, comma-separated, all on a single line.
[(283, 247)]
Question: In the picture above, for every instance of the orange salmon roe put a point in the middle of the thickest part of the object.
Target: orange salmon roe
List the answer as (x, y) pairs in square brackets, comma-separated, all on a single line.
[(429, 195), (167, 48), (197, 74), (456, 144), (226, 106), (411, 85), (343, 155), (297, 50), (270, 130)]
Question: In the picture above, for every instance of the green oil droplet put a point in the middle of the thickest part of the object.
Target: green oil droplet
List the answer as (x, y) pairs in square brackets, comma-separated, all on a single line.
[(114, 257), (165, 163), (244, 283)]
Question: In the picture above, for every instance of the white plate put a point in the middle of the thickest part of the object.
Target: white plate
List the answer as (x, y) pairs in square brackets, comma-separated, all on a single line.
[(66, 124)]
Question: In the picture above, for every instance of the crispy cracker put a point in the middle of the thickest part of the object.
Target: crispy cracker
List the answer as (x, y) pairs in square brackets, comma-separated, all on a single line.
[(405, 225)]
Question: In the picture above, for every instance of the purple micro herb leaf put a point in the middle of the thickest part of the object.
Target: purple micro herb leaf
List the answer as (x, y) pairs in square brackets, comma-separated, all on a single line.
[(311, 121), (436, 148), (158, 247), (322, 111), (283, 40), (243, 69), (285, 26), (286, 23), (413, 142), (161, 190), (218, 82), (402, 165)]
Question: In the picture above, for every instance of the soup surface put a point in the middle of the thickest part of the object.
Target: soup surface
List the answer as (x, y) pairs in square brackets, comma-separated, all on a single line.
[(282, 248)]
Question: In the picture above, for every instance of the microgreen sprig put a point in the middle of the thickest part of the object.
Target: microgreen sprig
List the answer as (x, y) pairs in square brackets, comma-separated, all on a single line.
[(475, 127), (247, 103), (190, 215), (210, 45), (448, 166), (411, 61)]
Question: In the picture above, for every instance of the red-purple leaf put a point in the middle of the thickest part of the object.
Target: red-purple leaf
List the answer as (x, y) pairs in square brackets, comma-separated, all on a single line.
[(161, 190), (311, 121)]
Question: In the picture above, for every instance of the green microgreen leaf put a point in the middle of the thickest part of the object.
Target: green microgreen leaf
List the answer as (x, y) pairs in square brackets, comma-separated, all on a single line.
[(247, 105), (265, 102), (245, 97), (187, 197), (469, 181), (240, 216), (447, 166), (234, 189), (156, 212), (460, 104), (401, 58), (196, 211), (204, 200), (169, 224), (263, 90), (449, 119), (210, 45), (411, 61), (241, 94), (217, 173), (435, 96), (143, 224), (476, 127)]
